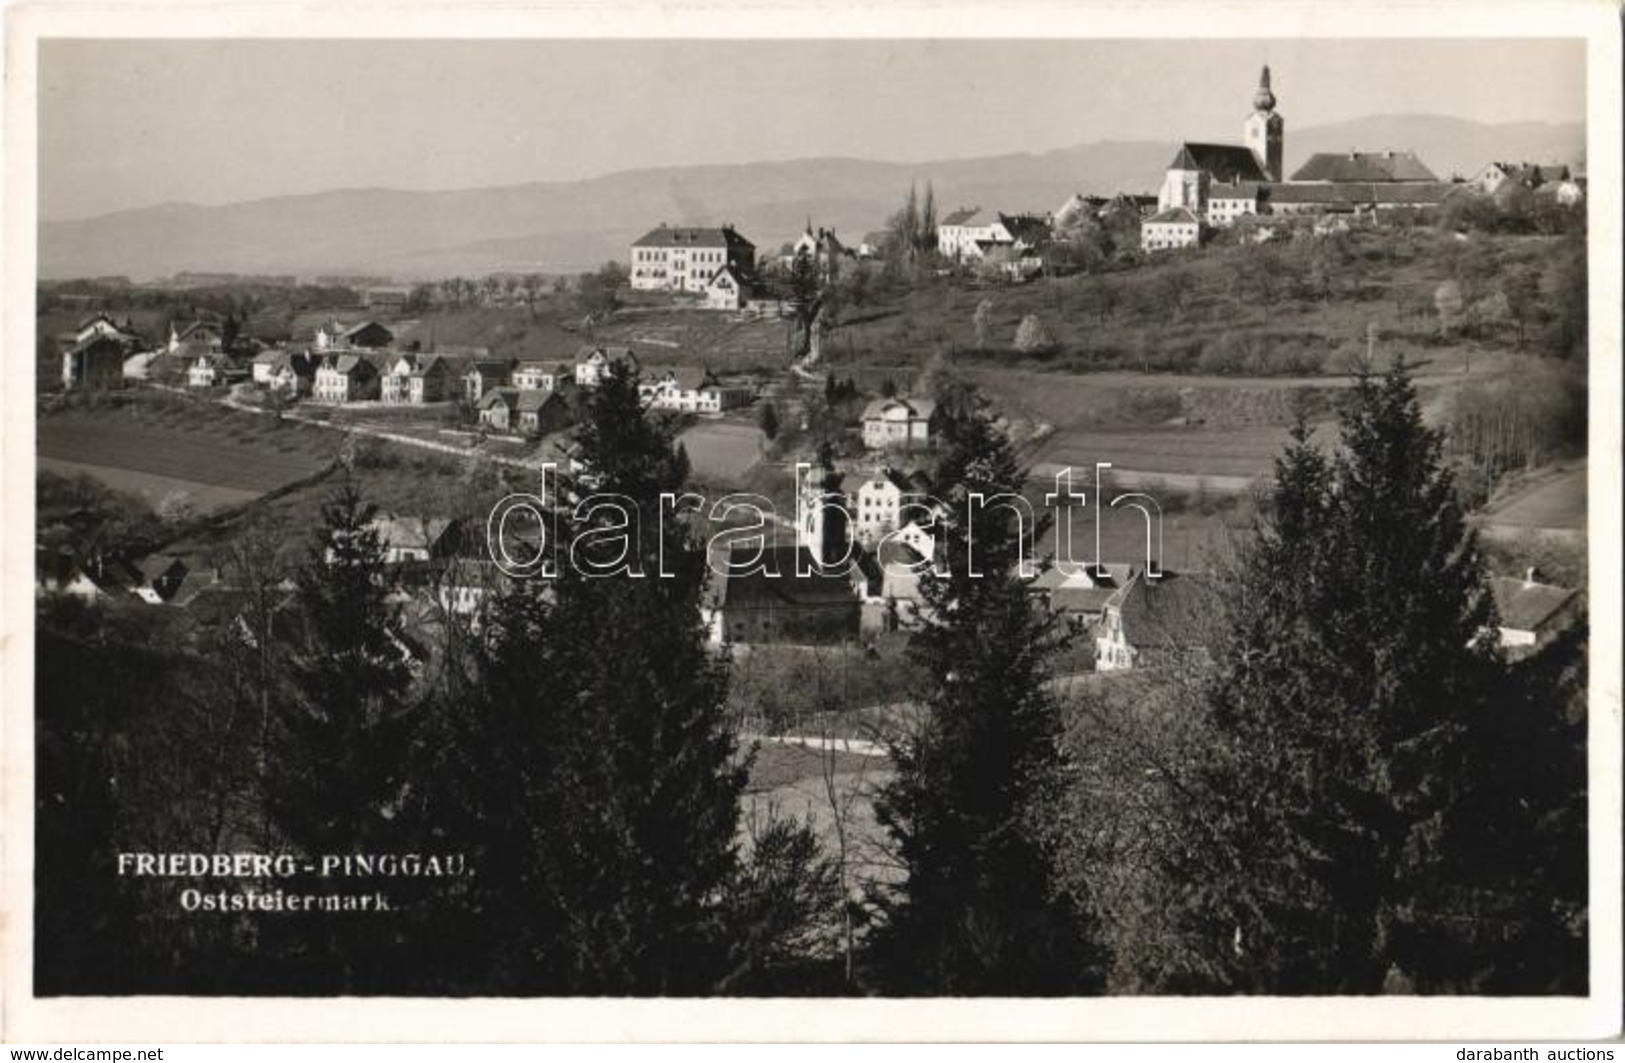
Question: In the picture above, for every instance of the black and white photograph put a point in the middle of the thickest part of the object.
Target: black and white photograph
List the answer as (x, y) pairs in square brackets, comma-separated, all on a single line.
[(828, 516)]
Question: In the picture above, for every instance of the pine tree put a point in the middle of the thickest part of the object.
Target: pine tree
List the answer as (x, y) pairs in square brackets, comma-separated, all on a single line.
[(1344, 804), (616, 772), (981, 911), (336, 770), (928, 221)]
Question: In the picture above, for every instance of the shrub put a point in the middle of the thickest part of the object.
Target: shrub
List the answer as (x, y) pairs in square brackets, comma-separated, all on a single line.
[(1032, 337)]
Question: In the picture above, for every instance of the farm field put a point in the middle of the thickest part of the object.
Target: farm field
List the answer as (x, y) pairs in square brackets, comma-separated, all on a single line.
[(217, 460), (789, 782), (722, 451), (154, 489), (1553, 499)]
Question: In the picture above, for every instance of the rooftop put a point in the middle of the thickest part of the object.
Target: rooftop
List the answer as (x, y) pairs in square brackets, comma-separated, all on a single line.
[(1364, 166)]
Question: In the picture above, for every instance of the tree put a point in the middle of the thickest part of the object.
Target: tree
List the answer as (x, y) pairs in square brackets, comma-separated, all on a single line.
[(336, 773), (1522, 290), (981, 321), (1353, 825), (531, 283), (604, 744), (806, 301), (1448, 304), (1032, 337), (767, 418), (981, 910), (928, 221)]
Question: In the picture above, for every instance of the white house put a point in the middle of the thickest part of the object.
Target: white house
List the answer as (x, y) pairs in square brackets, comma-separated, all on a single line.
[(538, 376), (969, 234), (727, 290), (877, 502), (1173, 228), (899, 422), (346, 378), (591, 367)]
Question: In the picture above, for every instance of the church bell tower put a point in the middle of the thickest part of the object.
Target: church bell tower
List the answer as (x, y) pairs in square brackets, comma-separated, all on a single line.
[(1265, 131)]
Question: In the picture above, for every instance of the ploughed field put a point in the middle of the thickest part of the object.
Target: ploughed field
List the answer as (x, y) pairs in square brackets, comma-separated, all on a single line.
[(210, 463)]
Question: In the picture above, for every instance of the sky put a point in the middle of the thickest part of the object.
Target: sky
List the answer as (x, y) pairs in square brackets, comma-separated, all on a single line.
[(134, 123)]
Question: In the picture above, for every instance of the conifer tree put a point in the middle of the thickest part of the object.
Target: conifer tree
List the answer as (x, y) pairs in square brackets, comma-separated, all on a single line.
[(1344, 808), (981, 911), (336, 772), (613, 762)]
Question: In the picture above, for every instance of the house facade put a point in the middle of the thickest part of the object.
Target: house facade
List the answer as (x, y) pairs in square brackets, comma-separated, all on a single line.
[(593, 363), (1170, 230), (94, 364), (482, 375), (539, 376), (727, 290), (778, 604), (345, 378), (908, 423), (689, 389), (687, 259)]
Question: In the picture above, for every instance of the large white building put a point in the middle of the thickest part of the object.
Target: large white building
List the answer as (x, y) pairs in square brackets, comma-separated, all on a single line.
[(684, 259), (970, 232)]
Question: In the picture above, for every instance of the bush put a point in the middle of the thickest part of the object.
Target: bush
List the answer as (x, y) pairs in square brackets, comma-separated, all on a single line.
[(1032, 337)]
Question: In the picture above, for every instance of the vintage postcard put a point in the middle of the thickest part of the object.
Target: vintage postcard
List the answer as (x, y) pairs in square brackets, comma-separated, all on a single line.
[(769, 523)]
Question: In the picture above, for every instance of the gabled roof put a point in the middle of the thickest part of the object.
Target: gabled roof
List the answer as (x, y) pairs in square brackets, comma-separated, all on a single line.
[(350, 363), (419, 533), (1030, 228), (433, 363), (1173, 612), (507, 396), (921, 408), (1364, 166), (686, 377), (532, 400), (101, 343), (1349, 193), (758, 589), (1526, 606), (609, 354), (491, 366), (725, 237), (1225, 162)]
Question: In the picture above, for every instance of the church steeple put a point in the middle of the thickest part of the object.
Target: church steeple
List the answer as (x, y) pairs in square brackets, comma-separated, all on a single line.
[(1264, 131), (1264, 99)]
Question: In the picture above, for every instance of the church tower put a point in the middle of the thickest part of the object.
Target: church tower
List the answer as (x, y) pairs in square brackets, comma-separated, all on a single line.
[(1265, 131)]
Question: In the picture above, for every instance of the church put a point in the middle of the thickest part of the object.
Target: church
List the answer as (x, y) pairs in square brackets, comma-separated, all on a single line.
[(1213, 185)]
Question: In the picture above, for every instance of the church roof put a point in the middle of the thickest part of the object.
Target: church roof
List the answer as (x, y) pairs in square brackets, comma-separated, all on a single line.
[(1363, 193), (1225, 162), (1364, 166)]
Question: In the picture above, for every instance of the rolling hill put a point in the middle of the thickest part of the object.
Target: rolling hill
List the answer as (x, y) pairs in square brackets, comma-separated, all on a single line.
[(570, 226)]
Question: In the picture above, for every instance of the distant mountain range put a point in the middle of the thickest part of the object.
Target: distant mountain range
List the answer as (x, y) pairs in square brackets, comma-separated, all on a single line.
[(556, 227)]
